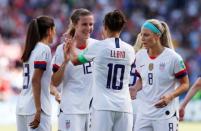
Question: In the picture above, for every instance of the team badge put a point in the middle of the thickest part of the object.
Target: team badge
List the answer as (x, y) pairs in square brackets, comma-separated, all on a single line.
[(162, 66), (181, 65), (67, 124), (151, 66)]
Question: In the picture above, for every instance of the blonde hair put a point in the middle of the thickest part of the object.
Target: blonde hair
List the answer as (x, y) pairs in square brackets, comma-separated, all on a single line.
[(138, 44), (165, 37), (75, 17)]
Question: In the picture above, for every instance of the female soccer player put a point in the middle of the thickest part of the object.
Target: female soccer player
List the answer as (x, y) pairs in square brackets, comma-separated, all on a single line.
[(112, 57), (33, 107), (163, 76), (77, 80), (196, 87)]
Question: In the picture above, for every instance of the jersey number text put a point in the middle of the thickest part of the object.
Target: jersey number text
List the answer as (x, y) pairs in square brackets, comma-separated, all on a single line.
[(26, 76), (114, 72)]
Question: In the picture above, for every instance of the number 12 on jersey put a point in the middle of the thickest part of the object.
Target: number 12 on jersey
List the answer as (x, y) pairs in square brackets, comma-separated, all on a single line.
[(114, 72)]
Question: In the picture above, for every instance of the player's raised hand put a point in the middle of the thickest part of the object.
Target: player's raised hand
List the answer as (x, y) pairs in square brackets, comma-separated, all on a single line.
[(67, 47), (164, 101), (35, 123)]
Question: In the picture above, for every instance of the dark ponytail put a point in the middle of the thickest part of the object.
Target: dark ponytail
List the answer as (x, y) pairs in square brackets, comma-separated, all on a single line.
[(37, 30), (31, 39)]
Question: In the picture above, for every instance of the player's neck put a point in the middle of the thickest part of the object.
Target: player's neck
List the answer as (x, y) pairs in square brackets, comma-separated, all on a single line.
[(45, 41), (80, 43), (155, 51), (113, 34)]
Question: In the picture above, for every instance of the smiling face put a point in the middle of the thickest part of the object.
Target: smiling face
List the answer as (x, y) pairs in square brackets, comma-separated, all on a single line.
[(148, 38), (84, 26)]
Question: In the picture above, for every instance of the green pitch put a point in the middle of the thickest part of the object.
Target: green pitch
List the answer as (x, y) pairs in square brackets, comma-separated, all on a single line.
[(184, 126)]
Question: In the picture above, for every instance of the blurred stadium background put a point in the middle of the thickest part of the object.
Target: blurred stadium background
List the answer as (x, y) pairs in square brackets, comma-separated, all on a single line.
[(183, 17)]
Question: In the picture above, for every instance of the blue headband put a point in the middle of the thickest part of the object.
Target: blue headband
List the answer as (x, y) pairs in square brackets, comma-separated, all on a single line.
[(151, 27)]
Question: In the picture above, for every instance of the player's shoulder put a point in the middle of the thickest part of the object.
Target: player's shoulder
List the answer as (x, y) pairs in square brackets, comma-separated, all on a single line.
[(92, 41), (41, 47), (128, 47), (141, 52), (126, 44), (60, 47), (172, 53)]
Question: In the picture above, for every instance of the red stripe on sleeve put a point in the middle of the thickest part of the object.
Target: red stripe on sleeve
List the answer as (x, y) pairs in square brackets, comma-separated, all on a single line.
[(182, 72), (39, 62), (56, 66)]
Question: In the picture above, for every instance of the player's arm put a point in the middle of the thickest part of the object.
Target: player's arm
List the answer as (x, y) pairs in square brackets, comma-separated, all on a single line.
[(83, 57), (60, 61), (55, 92), (134, 89), (78, 59), (138, 83), (184, 84), (196, 86), (36, 84), (183, 87), (182, 77), (36, 87), (58, 74)]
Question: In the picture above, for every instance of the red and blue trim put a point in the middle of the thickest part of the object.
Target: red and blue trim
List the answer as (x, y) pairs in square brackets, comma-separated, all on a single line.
[(55, 68), (40, 65), (181, 74)]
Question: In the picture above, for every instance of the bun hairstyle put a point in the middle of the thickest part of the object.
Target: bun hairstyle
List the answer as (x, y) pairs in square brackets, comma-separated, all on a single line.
[(114, 20)]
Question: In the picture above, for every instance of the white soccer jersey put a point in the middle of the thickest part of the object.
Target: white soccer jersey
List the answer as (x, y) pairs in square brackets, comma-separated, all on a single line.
[(111, 73), (40, 58), (132, 82), (77, 83), (159, 77)]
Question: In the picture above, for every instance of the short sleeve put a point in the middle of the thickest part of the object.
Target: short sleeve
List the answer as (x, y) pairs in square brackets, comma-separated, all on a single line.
[(137, 63), (42, 58), (179, 67), (58, 58), (132, 55)]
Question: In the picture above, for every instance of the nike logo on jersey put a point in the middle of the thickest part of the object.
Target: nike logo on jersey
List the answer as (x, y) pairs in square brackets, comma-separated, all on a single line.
[(141, 65)]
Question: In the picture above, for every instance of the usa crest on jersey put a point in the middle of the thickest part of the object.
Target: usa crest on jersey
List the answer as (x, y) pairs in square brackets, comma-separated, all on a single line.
[(162, 66), (151, 66)]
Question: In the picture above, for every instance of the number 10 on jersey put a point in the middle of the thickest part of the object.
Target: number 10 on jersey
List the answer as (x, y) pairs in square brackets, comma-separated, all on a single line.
[(113, 75)]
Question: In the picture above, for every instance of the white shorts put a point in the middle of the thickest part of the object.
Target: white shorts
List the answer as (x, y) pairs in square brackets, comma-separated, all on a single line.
[(134, 119), (170, 124), (135, 107), (23, 122), (73, 122), (111, 121)]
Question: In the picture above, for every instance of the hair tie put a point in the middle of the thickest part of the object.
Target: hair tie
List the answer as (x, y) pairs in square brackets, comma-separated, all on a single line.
[(152, 27)]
